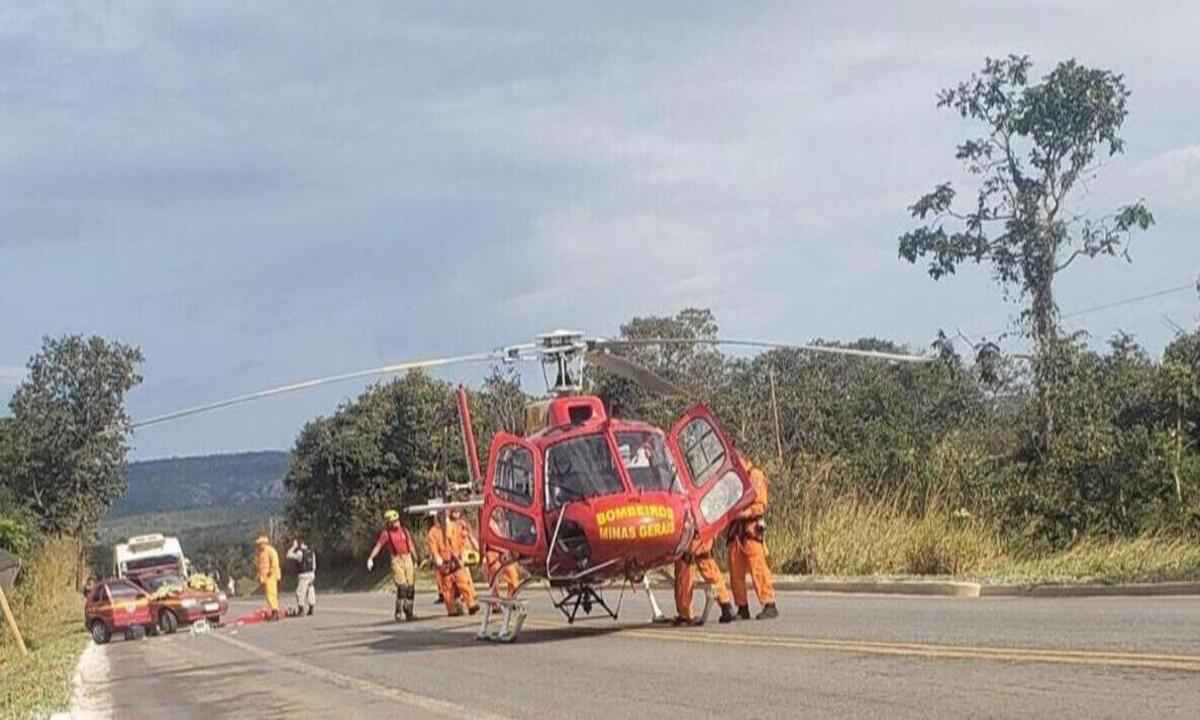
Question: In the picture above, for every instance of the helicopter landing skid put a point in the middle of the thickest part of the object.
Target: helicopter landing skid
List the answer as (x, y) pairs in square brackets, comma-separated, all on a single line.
[(512, 618), (585, 597)]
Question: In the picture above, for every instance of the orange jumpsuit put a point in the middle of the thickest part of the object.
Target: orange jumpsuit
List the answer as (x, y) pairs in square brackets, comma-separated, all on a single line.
[(748, 549), (452, 576), (494, 563), (700, 558), (269, 575)]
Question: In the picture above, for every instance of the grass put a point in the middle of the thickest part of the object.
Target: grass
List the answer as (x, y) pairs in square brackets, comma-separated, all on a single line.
[(50, 615), (813, 531), (1148, 558)]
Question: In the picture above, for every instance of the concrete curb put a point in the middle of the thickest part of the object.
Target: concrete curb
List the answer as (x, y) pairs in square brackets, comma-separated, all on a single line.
[(1120, 590), (910, 587)]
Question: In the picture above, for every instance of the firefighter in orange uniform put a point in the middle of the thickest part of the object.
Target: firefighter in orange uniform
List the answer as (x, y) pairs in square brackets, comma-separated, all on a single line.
[(699, 557), (452, 576), (498, 562), (267, 561), (748, 550)]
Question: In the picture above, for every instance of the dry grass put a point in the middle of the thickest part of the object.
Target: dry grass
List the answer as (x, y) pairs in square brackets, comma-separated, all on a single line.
[(819, 532), (1149, 558), (50, 615), (853, 536)]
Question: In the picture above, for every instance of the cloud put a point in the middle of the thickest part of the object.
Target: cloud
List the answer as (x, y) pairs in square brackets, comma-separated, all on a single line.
[(1172, 178), (257, 193)]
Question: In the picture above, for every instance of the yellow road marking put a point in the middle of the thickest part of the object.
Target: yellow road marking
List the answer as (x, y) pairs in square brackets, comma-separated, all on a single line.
[(422, 702), (1029, 655), (1103, 658)]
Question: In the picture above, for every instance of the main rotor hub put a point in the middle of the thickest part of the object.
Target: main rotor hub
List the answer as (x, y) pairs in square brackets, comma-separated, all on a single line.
[(562, 358)]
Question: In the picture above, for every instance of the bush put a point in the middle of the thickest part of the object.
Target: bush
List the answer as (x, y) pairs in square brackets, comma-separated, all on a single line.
[(15, 536)]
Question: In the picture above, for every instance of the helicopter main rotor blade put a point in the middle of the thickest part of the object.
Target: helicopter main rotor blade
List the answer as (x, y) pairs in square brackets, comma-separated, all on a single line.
[(630, 370), (439, 506), (878, 355), (385, 370)]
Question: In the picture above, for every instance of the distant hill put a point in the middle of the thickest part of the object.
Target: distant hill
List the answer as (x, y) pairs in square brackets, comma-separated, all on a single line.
[(204, 481)]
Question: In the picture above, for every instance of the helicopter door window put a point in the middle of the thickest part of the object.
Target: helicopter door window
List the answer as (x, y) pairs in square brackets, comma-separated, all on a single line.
[(647, 461), (702, 449), (513, 526), (514, 475), (580, 468)]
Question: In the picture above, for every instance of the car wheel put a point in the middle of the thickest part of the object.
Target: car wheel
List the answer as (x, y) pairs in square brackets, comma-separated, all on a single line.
[(100, 632), (167, 622)]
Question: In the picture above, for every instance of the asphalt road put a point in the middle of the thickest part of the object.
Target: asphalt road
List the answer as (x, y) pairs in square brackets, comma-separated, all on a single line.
[(827, 656)]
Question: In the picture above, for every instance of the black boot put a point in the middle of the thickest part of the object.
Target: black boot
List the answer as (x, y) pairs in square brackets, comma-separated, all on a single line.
[(311, 608), (409, 594), (726, 613), (743, 612), (398, 612), (769, 611)]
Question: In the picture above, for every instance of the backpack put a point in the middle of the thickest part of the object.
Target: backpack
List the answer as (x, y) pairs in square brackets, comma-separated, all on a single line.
[(308, 561)]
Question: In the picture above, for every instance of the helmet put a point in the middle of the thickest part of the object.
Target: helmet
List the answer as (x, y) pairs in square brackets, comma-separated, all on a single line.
[(262, 540), (391, 516)]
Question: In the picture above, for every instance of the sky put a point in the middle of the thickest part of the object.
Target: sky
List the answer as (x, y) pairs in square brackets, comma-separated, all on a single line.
[(260, 193)]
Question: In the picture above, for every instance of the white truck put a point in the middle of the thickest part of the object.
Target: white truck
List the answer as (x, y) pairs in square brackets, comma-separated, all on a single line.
[(152, 554)]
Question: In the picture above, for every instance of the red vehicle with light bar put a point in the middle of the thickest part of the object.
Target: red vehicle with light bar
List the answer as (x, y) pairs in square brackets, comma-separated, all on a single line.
[(175, 603), (117, 605), (584, 500)]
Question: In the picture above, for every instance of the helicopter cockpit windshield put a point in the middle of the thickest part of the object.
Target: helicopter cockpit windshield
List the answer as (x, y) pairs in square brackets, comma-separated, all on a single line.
[(647, 461), (580, 468)]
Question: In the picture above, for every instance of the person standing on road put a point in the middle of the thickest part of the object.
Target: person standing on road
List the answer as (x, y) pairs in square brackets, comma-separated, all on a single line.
[(306, 592), (452, 577), (699, 557), (748, 550), (268, 573), (400, 544)]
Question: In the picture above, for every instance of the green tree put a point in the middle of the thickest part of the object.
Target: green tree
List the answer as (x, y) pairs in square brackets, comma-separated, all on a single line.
[(394, 445), (1040, 141), (697, 368), (70, 415)]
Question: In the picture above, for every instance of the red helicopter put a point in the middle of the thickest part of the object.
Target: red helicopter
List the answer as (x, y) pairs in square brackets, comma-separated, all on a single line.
[(584, 500)]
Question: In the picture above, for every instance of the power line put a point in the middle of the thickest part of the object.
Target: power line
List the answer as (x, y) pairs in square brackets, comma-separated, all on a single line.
[(1129, 301), (1193, 285)]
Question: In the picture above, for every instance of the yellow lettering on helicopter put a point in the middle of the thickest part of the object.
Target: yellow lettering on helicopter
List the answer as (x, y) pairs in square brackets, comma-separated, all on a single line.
[(641, 512), (658, 529), (618, 532), (650, 521)]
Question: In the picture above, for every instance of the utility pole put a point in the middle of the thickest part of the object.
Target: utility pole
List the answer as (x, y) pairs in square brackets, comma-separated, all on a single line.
[(12, 622), (775, 410), (1178, 443)]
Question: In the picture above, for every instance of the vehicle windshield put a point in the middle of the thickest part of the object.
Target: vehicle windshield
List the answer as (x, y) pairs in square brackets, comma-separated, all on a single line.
[(580, 468), (647, 461), (121, 591), (149, 562), (157, 581)]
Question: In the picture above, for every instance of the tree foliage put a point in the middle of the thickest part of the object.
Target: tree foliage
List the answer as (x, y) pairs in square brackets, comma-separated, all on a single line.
[(944, 432), (71, 430), (1039, 143)]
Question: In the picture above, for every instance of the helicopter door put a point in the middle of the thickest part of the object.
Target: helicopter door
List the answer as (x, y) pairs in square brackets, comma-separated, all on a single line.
[(718, 487), (511, 517)]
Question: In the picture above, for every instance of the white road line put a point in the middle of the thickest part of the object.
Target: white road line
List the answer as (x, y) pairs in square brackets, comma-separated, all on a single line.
[(91, 698), (422, 702)]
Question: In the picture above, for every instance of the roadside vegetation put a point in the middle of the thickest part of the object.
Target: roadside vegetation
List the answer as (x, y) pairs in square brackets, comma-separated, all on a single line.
[(50, 615), (62, 463)]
